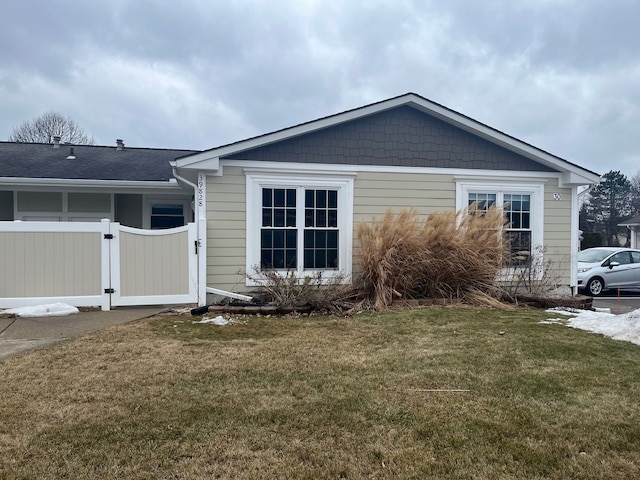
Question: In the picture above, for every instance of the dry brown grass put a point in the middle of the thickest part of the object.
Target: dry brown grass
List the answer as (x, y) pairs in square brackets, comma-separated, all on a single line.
[(451, 255), (374, 396)]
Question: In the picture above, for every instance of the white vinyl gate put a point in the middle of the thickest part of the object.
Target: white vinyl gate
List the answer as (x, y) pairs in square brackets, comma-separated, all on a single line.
[(96, 264)]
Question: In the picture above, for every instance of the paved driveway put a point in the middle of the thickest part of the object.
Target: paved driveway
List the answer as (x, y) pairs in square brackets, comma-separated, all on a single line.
[(624, 304), (22, 334)]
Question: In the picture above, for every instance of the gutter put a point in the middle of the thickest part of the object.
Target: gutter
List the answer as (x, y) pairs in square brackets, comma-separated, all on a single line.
[(184, 180), (83, 182)]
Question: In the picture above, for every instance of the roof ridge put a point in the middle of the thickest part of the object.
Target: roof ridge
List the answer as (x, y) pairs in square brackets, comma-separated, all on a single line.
[(49, 145)]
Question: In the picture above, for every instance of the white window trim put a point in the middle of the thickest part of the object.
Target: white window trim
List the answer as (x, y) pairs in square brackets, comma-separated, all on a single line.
[(536, 190), (345, 187)]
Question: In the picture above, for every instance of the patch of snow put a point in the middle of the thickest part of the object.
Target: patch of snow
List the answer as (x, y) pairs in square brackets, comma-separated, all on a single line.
[(624, 327), (215, 321), (49, 310)]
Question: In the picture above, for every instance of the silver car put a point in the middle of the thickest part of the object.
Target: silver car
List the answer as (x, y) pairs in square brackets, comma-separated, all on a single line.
[(604, 268)]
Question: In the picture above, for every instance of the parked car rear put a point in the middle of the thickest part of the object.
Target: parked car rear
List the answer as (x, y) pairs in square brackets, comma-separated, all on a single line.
[(604, 268)]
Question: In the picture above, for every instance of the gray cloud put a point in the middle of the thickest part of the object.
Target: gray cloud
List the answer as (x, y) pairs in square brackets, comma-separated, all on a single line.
[(560, 74)]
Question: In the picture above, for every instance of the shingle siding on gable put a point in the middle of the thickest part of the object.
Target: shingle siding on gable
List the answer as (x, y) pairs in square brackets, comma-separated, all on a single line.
[(401, 136)]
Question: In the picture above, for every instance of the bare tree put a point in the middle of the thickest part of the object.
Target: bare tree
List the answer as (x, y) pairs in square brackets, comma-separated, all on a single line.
[(42, 129)]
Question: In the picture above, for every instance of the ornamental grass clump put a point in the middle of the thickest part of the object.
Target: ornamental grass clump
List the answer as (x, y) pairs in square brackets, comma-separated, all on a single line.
[(450, 255)]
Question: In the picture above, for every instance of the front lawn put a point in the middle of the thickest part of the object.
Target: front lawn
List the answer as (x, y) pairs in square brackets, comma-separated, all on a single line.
[(452, 393)]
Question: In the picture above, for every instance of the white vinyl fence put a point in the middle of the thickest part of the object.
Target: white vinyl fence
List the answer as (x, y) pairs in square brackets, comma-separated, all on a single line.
[(96, 264)]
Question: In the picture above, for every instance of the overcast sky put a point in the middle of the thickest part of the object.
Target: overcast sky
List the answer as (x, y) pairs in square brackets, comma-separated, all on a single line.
[(563, 75)]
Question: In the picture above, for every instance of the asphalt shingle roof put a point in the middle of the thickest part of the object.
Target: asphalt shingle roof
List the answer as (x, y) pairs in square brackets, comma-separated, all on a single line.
[(41, 160)]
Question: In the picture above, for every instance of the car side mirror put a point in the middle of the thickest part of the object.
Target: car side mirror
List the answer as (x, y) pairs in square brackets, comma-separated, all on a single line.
[(614, 264)]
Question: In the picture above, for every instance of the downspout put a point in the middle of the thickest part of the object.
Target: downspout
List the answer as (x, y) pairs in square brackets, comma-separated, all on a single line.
[(202, 300), (202, 287)]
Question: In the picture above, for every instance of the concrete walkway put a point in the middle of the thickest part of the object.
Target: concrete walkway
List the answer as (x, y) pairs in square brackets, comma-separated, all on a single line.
[(23, 334)]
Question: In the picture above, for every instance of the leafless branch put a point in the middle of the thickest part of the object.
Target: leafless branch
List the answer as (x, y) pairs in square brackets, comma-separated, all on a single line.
[(42, 129)]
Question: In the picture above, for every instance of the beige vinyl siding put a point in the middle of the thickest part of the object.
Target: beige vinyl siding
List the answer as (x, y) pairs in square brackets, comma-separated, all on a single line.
[(375, 193), (49, 264), (557, 232), (226, 230)]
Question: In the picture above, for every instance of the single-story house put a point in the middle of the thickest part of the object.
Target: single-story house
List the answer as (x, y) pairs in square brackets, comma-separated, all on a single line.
[(73, 183), (290, 199)]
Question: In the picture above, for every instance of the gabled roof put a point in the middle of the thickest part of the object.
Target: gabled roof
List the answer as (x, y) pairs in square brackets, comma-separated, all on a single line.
[(43, 161), (632, 222), (571, 173)]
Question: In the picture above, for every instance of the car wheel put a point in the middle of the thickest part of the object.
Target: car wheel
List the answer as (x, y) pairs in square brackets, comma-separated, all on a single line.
[(595, 286)]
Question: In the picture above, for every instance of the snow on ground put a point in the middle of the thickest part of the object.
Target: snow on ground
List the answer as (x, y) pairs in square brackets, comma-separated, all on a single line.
[(50, 310), (215, 321), (619, 327)]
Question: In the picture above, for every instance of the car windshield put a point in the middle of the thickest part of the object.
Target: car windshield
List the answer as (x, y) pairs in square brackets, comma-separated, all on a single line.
[(594, 255)]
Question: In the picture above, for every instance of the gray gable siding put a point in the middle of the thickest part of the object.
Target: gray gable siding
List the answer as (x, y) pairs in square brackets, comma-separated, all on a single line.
[(401, 136)]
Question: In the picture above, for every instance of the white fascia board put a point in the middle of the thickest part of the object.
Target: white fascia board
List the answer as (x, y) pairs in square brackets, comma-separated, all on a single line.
[(69, 184)]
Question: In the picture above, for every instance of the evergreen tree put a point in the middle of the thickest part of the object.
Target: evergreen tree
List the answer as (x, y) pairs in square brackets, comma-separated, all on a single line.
[(609, 204), (635, 194)]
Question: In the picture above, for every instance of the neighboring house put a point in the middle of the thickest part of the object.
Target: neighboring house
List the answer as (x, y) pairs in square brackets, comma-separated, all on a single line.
[(633, 224), (290, 199), (61, 182)]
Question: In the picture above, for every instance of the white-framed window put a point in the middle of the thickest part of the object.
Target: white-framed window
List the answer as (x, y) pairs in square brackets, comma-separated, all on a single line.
[(301, 224), (523, 204)]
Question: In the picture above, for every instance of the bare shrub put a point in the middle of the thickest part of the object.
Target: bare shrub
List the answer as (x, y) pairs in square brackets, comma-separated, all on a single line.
[(286, 289), (532, 276), (449, 255)]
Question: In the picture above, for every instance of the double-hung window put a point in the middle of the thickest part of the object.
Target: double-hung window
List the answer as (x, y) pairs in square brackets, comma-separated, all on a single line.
[(280, 229), (517, 208), (299, 224), (523, 207)]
